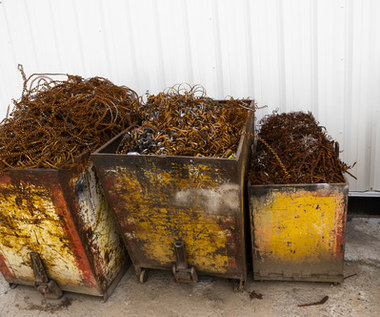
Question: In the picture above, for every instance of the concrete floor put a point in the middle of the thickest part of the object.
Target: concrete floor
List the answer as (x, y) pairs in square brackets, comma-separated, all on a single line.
[(359, 295)]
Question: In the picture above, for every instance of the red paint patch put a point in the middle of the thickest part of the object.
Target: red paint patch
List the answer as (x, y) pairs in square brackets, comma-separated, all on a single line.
[(230, 225), (5, 270), (341, 228), (100, 266), (4, 180), (232, 263), (79, 252)]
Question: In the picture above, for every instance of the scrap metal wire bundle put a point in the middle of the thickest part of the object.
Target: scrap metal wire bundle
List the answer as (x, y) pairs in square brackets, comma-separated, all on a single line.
[(184, 121), (293, 149), (55, 121)]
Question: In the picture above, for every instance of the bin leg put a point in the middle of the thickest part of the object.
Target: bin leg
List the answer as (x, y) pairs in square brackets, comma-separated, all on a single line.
[(141, 274), (181, 271), (239, 285), (47, 287)]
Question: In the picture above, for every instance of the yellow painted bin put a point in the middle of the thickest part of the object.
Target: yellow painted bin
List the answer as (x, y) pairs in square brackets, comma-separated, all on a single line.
[(57, 232), (298, 231), (165, 203)]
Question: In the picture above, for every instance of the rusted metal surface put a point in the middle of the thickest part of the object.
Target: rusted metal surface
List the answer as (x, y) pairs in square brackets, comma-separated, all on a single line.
[(162, 199), (63, 216), (298, 231)]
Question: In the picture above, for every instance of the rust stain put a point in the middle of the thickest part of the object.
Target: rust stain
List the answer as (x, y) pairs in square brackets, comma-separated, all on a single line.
[(340, 220), (4, 179), (64, 217), (4, 268), (30, 224), (98, 225), (153, 215), (76, 244)]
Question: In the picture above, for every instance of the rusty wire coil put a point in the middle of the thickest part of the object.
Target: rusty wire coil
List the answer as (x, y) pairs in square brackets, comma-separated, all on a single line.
[(182, 120), (293, 149), (55, 121)]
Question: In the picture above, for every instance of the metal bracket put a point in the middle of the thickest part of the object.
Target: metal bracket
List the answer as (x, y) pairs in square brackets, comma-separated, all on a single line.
[(181, 271), (337, 148), (238, 285), (47, 287)]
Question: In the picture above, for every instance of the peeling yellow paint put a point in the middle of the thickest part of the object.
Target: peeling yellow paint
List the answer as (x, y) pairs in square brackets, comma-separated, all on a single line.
[(29, 223), (155, 219), (297, 227)]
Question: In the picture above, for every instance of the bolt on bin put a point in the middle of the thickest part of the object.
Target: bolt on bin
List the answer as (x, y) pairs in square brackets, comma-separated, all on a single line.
[(57, 233), (179, 213)]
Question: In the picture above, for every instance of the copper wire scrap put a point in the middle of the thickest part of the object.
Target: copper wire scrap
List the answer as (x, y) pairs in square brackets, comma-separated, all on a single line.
[(55, 121), (293, 149), (183, 121)]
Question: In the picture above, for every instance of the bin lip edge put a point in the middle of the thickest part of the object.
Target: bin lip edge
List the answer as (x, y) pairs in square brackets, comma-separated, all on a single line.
[(96, 154), (237, 153), (345, 183), (62, 167)]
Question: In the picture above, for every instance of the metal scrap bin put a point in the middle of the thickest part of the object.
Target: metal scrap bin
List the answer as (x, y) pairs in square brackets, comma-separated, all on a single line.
[(298, 231), (57, 232), (184, 214)]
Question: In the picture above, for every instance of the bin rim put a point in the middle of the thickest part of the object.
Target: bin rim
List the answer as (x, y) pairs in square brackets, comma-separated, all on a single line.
[(63, 167), (249, 121), (345, 183)]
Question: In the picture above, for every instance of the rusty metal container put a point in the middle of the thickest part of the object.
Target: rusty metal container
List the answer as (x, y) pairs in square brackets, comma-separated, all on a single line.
[(57, 232), (298, 231), (184, 214)]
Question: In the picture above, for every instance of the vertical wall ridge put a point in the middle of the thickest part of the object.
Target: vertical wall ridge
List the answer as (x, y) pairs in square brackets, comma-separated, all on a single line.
[(317, 55)]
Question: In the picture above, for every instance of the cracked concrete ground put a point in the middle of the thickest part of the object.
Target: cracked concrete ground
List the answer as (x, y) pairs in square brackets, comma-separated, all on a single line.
[(359, 295)]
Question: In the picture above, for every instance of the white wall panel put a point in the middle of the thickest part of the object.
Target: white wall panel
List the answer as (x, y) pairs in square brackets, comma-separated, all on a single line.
[(321, 56)]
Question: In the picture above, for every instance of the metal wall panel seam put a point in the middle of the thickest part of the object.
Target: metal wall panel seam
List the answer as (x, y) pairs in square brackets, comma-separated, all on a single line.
[(348, 60), (105, 34), (281, 56), (248, 41), (51, 13), (218, 57), (189, 68), (309, 55), (161, 68), (79, 36)]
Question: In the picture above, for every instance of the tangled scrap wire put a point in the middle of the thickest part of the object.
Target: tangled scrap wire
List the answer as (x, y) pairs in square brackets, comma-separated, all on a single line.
[(183, 121), (293, 149), (55, 121)]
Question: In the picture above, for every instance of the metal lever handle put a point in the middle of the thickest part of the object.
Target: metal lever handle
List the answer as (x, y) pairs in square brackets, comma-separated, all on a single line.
[(47, 287), (180, 254)]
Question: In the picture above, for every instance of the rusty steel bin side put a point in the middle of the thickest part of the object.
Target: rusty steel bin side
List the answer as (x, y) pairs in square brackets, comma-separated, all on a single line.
[(63, 216), (298, 231), (158, 200)]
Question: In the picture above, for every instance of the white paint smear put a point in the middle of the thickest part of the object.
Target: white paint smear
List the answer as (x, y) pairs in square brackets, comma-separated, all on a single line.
[(215, 200)]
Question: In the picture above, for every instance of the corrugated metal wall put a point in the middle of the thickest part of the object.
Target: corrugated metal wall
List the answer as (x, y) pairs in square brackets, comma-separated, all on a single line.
[(322, 56)]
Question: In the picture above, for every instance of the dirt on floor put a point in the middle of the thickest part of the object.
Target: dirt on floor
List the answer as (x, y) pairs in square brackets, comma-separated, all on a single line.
[(359, 295)]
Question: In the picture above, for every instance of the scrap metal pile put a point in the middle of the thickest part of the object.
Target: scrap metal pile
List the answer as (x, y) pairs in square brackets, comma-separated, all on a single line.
[(293, 149), (55, 121), (184, 121)]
